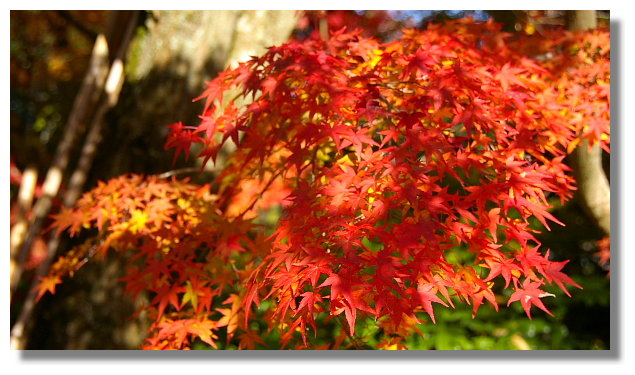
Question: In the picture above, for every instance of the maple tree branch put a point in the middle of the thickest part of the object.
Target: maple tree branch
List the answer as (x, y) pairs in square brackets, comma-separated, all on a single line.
[(358, 343), (253, 203), (273, 178), (391, 107), (311, 162), (176, 172), (398, 90)]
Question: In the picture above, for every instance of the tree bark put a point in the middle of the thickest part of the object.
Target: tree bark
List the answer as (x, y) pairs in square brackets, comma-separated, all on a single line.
[(170, 63)]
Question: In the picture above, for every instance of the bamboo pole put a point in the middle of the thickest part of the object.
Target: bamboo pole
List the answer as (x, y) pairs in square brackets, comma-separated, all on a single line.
[(85, 100), (21, 225), (111, 90)]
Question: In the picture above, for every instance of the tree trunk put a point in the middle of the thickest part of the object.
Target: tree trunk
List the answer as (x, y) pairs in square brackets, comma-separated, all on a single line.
[(168, 63)]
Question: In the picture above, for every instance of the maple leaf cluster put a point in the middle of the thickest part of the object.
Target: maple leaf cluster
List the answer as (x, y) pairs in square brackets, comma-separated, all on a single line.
[(184, 255), (390, 156), (578, 87)]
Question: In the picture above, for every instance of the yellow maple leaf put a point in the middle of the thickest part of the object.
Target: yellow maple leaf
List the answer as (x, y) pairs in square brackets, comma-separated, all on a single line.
[(138, 221)]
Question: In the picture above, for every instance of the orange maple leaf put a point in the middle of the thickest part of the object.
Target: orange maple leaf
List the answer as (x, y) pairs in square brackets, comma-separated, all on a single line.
[(47, 284)]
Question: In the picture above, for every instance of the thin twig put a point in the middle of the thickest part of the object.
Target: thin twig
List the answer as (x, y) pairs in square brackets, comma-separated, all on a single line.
[(177, 172), (260, 194)]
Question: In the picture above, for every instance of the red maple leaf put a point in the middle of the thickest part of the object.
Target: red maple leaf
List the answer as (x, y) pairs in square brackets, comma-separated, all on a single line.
[(530, 294), (341, 286), (508, 76), (552, 271), (181, 138), (427, 294)]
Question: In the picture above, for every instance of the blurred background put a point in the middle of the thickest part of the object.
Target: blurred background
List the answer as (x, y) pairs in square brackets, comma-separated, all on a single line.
[(61, 122)]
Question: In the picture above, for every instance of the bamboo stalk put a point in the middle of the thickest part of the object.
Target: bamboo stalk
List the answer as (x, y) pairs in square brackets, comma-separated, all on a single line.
[(111, 89), (86, 99), (21, 225)]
